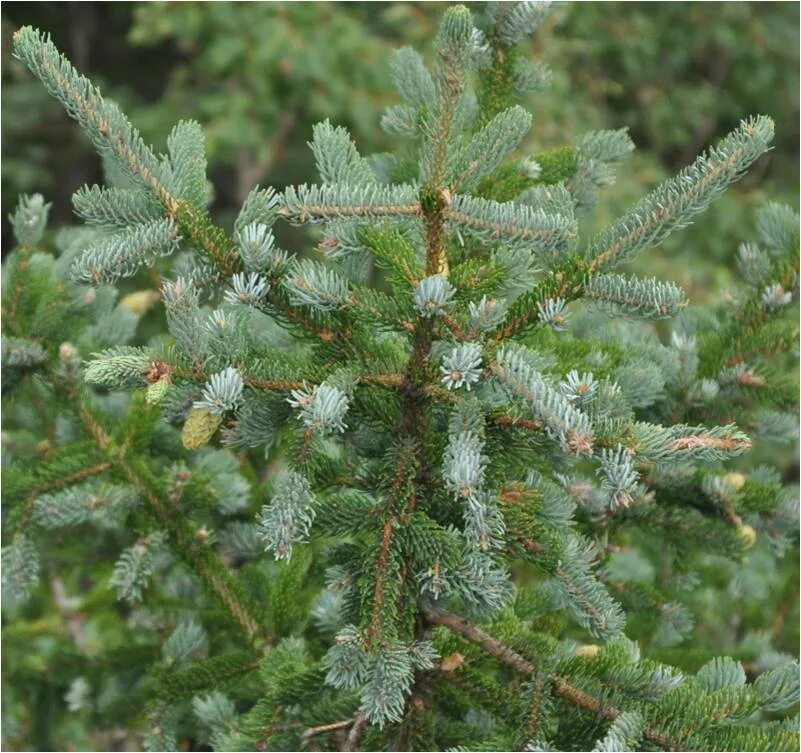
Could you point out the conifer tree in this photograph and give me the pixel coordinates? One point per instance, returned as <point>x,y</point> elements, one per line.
<point>479,463</point>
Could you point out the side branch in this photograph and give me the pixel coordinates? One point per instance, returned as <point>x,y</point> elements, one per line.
<point>511,658</point>
<point>204,561</point>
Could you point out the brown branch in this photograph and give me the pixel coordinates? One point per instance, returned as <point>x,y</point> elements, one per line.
<point>71,478</point>
<point>523,423</point>
<point>511,658</point>
<point>476,635</point>
<point>453,326</point>
<point>312,731</point>
<point>359,723</point>
<point>380,581</point>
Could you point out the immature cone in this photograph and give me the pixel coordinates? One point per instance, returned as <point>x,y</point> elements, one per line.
<point>735,479</point>
<point>157,391</point>
<point>452,662</point>
<point>588,651</point>
<point>199,428</point>
<point>141,301</point>
<point>747,534</point>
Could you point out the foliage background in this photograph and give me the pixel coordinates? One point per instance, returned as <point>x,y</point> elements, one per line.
<point>258,75</point>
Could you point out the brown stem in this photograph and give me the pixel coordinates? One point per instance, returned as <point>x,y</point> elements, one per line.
<point>511,658</point>
<point>359,723</point>
<point>312,731</point>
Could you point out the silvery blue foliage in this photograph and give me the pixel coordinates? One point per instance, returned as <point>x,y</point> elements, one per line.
<point>777,225</point>
<point>102,504</point>
<point>702,391</point>
<point>530,75</point>
<point>260,207</point>
<point>464,464</point>
<point>673,204</point>
<point>484,526</point>
<point>553,313</point>
<point>18,352</point>
<point>606,401</point>
<point>513,224</point>
<point>221,325</point>
<point>753,263</point>
<point>122,254</point>
<point>123,366</point>
<point>579,389</point>
<point>401,120</point>
<point>240,540</point>
<point>619,475</point>
<point>77,696</point>
<point>432,296</point>
<point>606,146</point>
<point>631,296</point>
<point>346,661</point>
<point>258,251</point>
<point>247,289</point>
<point>133,569</point>
<point>482,53</point>
<point>327,610</point>
<point>462,366</point>
<point>337,158</point>
<point>385,674</point>
<point>389,682</point>
<point>29,219</point>
<point>775,296</point>
<point>187,642</point>
<point>185,173</point>
<point>587,600</point>
<point>20,568</point>
<point>323,203</point>
<point>778,688</point>
<point>486,314</point>
<point>222,393</point>
<point>675,624</point>
<point>550,199</point>
<point>514,22</point>
<point>323,409</point>
<point>488,147</point>
<point>288,518</point>
<point>215,710</point>
<point>435,582</point>
<point>775,426</point>
<point>526,244</point>
<point>625,733</point>
<point>184,318</point>
<point>720,489</point>
<point>180,293</point>
<point>530,168</point>
<point>484,586</point>
<point>686,347</point>
<point>412,79</point>
<point>311,284</point>
<point>227,333</point>
<point>720,673</point>
<point>564,422</point>
<point>423,655</point>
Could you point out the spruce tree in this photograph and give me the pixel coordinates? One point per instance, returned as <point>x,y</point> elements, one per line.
<point>491,470</point>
